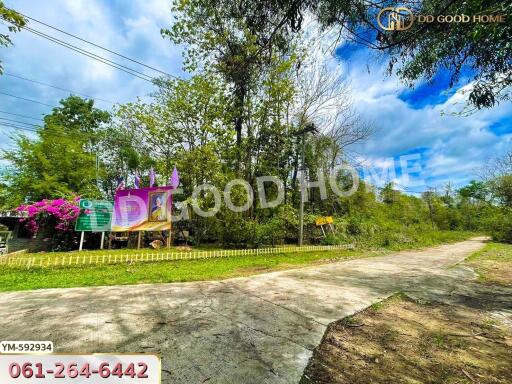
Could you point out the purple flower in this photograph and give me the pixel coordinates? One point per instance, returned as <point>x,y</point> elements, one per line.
<point>58,214</point>
<point>52,210</point>
<point>32,210</point>
<point>58,202</point>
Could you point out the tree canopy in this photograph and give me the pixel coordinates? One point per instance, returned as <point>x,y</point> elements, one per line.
<point>15,22</point>
<point>477,53</point>
<point>62,160</point>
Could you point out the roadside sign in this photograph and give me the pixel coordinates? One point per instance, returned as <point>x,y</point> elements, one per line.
<point>323,220</point>
<point>95,216</point>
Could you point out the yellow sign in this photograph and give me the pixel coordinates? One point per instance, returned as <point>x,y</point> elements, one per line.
<point>324,220</point>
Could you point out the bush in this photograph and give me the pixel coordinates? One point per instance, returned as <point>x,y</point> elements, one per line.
<point>499,226</point>
<point>334,239</point>
<point>270,232</point>
<point>53,221</point>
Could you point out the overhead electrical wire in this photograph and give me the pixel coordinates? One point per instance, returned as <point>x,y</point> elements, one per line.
<point>20,115</point>
<point>24,98</point>
<point>19,122</point>
<point>98,46</point>
<point>91,55</point>
<point>40,129</point>
<point>56,87</point>
<point>18,127</point>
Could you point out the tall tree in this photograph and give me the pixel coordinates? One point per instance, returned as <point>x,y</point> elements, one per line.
<point>62,161</point>
<point>479,52</point>
<point>236,39</point>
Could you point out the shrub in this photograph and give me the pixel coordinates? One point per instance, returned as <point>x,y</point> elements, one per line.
<point>270,232</point>
<point>499,225</point>
<point>334,239</point>
<point>53,221</point>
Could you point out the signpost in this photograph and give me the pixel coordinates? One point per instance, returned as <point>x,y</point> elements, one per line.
<point>324,220</point>
<point>95,216</point>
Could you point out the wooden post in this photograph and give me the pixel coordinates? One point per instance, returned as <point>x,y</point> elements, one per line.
<point>169,240</point>
<point>81,240</point>
<point>102,240</point>
<point>110,240</point>
<point>138,241</point>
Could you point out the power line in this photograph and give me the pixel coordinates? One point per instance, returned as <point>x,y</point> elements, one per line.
<point>18,122</point>
<point>23,98</point>
<point>38,129</point>
<point>97,45</point>
<point>19,115</point>
<point>56,87</point>
<point>91,55</point>
<point>17,127</point>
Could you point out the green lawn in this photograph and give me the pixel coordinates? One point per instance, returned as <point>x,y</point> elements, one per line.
<point>16,279</point>
<point>493,264</point>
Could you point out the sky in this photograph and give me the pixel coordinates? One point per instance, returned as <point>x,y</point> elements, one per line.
<point>413,127</point>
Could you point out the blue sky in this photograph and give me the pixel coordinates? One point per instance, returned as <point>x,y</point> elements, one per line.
<point>422,121</point>
<point>407,121</point>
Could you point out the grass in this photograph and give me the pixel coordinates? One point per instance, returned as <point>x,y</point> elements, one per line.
<point>405,341</point>
<point>493,264</point>
<point>13,279</point>
<point>17,279</point>
<point>415,238</point>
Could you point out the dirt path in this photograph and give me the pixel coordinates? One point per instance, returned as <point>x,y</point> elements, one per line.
<point>258,329</point>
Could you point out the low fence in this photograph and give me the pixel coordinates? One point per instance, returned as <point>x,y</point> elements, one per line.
<point>69,260</point>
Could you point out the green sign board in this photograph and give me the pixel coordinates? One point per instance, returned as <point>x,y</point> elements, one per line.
<point>95,216</point>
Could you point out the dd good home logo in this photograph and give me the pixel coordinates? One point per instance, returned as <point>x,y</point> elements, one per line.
<point>395,19</point>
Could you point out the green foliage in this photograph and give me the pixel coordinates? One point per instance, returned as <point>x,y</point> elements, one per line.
<point>421,51</point>
<point>499,225</point>
<point>333,239</point>
<point>502,189</point>
<point>240,115</point>
<point>14,21</point>
<point>62,161</point>
<point>476,191</point>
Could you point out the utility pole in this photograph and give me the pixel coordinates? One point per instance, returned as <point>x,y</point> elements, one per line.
<point>303,169</point>
<point>303,132</point>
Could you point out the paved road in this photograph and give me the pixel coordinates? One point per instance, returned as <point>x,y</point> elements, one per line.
<point>258,329</point>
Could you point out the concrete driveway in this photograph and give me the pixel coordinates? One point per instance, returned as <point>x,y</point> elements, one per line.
<point>258,329</point>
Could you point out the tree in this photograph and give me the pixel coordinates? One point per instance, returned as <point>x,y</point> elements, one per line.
<point>62,161</point>
<point>16,22</point>
<point>498,176</point>
<point>236,39</point>
<point>476,191</point>
<point>186,116</point>
<point>479,50</point>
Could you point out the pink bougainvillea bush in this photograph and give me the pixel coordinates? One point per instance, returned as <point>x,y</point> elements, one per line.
<point>53,221</point>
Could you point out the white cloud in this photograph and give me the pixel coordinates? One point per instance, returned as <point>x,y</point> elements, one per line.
<point>131,28</point>
<point>452,147</point>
